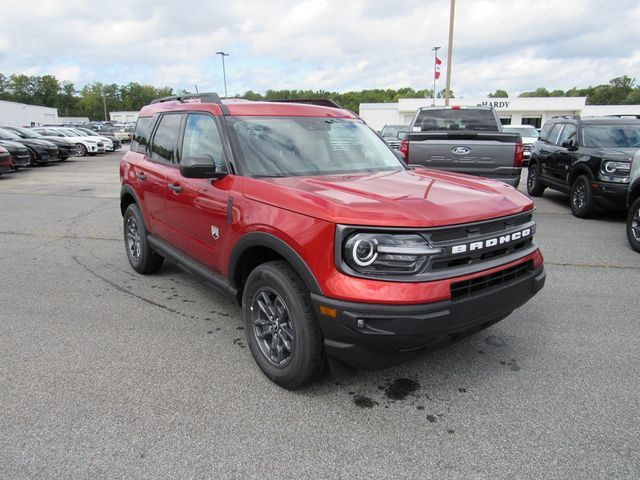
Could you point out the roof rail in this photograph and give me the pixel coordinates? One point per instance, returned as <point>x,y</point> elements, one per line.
<point>205,97</point>
<point>322,102</point>
<point>572,117</point>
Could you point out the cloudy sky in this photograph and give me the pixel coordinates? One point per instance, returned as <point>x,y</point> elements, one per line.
<point>336,45</point>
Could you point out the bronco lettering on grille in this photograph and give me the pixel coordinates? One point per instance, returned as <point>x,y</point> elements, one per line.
<point>490,242</point>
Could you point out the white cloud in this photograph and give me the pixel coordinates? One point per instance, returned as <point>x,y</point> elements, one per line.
<point>323,44</point>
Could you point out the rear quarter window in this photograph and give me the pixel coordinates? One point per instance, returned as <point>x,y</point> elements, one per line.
<point>141,132</point>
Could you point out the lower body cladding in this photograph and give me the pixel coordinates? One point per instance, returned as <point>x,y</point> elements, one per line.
<point>374,336</point>
<point>610,195</point>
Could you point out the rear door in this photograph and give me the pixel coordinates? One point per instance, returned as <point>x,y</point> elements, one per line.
<point>547,150</point>
<point>563,158</point>
<point>198,209</point>
<point>153,172</point>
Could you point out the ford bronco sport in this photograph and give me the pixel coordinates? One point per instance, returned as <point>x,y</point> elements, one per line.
<point>336,251</point>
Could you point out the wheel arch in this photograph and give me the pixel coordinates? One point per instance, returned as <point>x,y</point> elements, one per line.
<point>127,197</point>
<point>634,192</point>
<point>577,171</point>
<point>260,247</point>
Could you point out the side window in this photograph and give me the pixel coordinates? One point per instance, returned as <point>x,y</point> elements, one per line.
<point>164,142</point>
<point>201,137</point>
<point>555,133</point>
<point>544,133</point>
<point>569,133</point>
<point>141,134</point>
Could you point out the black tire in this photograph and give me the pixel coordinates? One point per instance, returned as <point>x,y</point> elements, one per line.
<point>276,300</point>
<point>534,186</point>
<point>81,149</point>
<point>581,197</point>
<point>140,254</point>
<point>633,225</point>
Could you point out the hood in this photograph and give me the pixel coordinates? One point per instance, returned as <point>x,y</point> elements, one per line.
<point>34,143</point>
<point>410,198</point>
<point>60,142</point>
<point>616,153</point>
<point>11,144</point>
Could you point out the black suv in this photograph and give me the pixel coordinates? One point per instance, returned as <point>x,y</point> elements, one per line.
<point>588,158</point>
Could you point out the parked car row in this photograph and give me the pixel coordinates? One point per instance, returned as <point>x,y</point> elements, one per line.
<point>24,147</point>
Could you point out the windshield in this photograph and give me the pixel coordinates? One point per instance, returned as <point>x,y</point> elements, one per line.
<point>24,133</point>
<point>392,130</point>
<point>523,131</point>
<point>7,135</point>
<point>455,119</point>
<point>290,146</point>
<point>621,135</point>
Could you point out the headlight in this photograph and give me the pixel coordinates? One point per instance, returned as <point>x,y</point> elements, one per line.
<point>383,253</point>
<point>616,168</point>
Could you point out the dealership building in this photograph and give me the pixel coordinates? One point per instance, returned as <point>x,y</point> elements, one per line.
<point>512,111</point>
<point>15,114</point>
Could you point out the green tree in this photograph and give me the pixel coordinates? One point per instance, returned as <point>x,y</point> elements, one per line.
<point>499,94</point>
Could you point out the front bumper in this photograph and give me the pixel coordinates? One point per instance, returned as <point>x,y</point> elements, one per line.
<point>609,192</point>
<point>372,336</point>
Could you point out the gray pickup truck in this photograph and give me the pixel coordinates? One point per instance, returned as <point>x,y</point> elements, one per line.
<point>464,140</point>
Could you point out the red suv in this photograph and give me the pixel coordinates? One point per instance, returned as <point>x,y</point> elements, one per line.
<point>336,250</point>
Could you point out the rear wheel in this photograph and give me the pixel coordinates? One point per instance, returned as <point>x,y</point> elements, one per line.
<point>534,187</point>
<point>581,198</point>
<point>280,327</point>
<point>633,225</point>
<point>141,257</point>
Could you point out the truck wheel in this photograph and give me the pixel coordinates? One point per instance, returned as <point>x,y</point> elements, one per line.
<point>582,197</point>
<point>534,187</point>
<point>633,225</point>
<point>280,326</point>
<point>141,257</point>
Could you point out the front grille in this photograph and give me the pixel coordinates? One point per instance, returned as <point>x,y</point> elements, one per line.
<point>466,288</point>
<point>53,151</point>
<point>100,144</point>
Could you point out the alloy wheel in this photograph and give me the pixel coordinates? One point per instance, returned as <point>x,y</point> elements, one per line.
<point>272,326</point>
<point>635,225</point>
<point>134,243</point>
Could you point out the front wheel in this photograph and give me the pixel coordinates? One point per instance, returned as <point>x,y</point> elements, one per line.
<point>534,187</point>
<point>81,149</point>
<point>281,330</point>
<point>141,257</point>
<point>633,225</point>
<point>582,203</point>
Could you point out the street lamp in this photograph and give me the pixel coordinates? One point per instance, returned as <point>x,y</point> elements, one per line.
<point>224,73</point>
<point>447,91</point>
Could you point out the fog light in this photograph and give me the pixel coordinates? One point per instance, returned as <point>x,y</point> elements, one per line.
<point>360,323</point>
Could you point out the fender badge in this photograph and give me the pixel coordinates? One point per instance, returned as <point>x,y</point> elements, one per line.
<point>215,232</point>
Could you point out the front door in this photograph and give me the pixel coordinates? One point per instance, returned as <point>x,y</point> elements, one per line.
<point>197,209</point>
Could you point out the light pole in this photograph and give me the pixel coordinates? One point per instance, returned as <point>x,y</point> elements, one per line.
<point>224,72</point>
<point>447,91</point>
<point>436,71</point>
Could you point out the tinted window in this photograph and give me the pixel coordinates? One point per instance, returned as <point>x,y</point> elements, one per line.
<point>141,134</point>
<point>201,138</point>
<point>165,139</point>
<point>622,135</point>
<point>555,132</point>
<point>569,133</point>
<point>544,133</point>
<point>456,119</point>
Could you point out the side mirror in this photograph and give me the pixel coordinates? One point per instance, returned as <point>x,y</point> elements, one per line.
<point>200,167</point>
<point>570,145</point>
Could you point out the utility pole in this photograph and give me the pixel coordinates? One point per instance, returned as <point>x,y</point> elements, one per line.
<point>436,72</point>
<point>104,105</point>
<point>447,91</point>
<point>224,72</point>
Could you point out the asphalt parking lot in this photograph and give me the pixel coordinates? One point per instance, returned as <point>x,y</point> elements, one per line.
<point>108,374</point>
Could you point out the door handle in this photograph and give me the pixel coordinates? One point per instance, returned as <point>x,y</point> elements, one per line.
<point>141,176</point>
<point>175,188</point>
